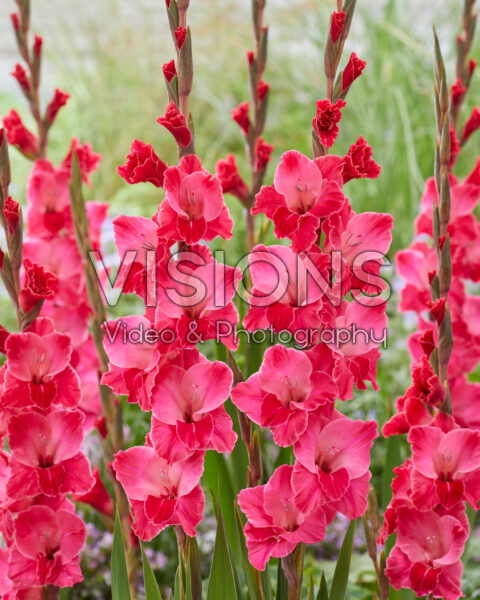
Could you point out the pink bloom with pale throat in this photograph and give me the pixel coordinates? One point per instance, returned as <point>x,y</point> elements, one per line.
<point>161,493</point>
<point>284,392</point>
<point>275,524</point>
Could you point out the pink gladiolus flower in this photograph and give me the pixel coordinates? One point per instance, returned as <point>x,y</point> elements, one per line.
<point>413,408</point>
<point>359,162</point>
<point>161,493</point>
<point>188,405</point>
<point>175,123</point>
<point>46,456</point>
<point>196,303</point>
<point>18,135</point>
<point>283,295</point>
<point>284,393</point>
<point>299,199</point>
<point>194,208</point>
<point>137,234</point>
<point>87,158</point>
<point>48,197</point>
<point>446,467</point>
<point>275,524</point>
<point>232,183</point>
<point>38,285</point>
<point>39,372</point>
<point>325,122</point>
<point>354,361</point>
<point>332,465</point>
<point>143,165</point>
<point>47,547</point>
<point>426,557</point>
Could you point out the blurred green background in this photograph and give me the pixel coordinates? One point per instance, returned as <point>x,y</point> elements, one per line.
<point>108,55</point>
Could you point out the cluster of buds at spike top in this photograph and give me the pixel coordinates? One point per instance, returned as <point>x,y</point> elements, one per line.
<point>251,118</point>
<point>325,122</point>
<point>440,283</point>
<point>465,65</point>
<point>179,76</point>
<point>29,82</point>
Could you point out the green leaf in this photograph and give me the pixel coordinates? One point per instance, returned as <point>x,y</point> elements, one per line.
<point>248,571</point>
<point>323,591</point>
<point>282,583</point>
<point>311,587</point>
<point>221,583</point>
<point>194,574</point>
<point>151,586</point>
<point>120,585</point>
<point>216,475</point>
<point>342,569</point>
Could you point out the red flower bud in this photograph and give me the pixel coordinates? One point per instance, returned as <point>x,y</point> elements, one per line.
<point>142,165</point>
<point>441,241</point>
<point>240,116</point>
<point>431,276</point>
<point>2,256</point>
<point>11,212</point>
<point>263,153</point>
<point>169,70</point>
<point>37,45</point>
<point>15,21</point>
<point>175,122</point>
<point>59,99</point>
<point>336,25</point>
<point>87,159</point>
<point>250,57</point>
<point>38,285</point>
<point>472,124</point>
<point>353,70</point>
<point>471,66</point>
<point>427,342</point>
<point>326,119</point>
<point>454,146</point>
<point>18,135</point>
<point>457,92</point>
<point>437,309</point>
<point>21,76</point>
<point>180,35</point>
<point>262,90</point>
<point>358,162</point>
<point>232,183</point>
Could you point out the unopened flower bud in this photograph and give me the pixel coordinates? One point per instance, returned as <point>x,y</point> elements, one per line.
<point>59,99</point>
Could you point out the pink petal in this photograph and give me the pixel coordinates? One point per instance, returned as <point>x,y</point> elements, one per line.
<point>248,397</point>
<point>298,179</point>
<point>285,372</point>
<point>124,353</point>
<point>138,469</point>
<point>207,385</point>
<point>189,511</point>
<point>31,357</point>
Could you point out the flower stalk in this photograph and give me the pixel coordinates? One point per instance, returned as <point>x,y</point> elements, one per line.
<point>112,409</point>
<point>292,566</point>
<point>440,284</point>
